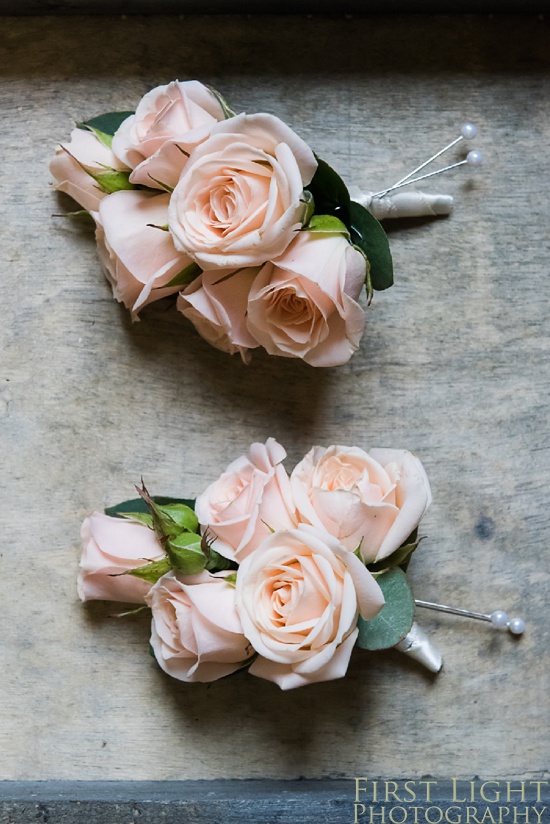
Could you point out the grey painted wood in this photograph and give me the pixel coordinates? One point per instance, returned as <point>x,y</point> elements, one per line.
<point>454,365</point>
<point>284,802</point>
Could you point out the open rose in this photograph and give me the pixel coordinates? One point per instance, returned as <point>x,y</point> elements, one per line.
<point>240,197</point>
<point>368,501</point>
<point>110,546</point>
<point>298,596</point>
<point>304,304</point>
<point>69,164</point>
<point>216,303</point>
<point>250,499</point>
<point>138,257</point>
<point>196,634</point>
<point>169,122</point>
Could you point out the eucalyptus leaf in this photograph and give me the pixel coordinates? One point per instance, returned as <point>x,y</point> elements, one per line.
<point>106,123</point>
<point>185,553</point>
<point>395,619</point>
<point>185,277</point>
<point>138,505</point>
<point>326,224</point>
<point>370,237</point>
<point>329,192</point>
<point>151,572</point>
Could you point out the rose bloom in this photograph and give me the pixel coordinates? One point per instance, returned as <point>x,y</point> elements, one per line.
<point>304,304</point>
<point>298,596</point>
<point>240,197</point>
<point>249,500</point>
<point>169,122</point>
<point>110,546</point>
<point>196,634</point>
<point>83,150</point>
<point>216,303</point>
<point>368,501</point>
<point>138,258</point>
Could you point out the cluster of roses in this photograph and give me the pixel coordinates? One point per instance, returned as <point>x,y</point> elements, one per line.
<point>283,562</point>
<point>188,198</point>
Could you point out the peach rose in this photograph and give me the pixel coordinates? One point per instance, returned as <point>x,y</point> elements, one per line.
<point>83,150</point>
<point>216,304</point>
<point>240,197</point>
<point>304,304</point>
<point>139,259</point>
<point>372,501</point>
<point>298,596</point>
<point>169,122</point>
<point>111,546</point>
<point>251,498</point>
<point>196,634</point>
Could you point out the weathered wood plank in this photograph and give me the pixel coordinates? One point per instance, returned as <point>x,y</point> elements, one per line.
<point>454,365</point>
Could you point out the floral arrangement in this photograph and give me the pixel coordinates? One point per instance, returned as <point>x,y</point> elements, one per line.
<point>280,574</point>
<point>256,235</point>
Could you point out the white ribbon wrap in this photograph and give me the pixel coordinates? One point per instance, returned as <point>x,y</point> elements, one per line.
<point>404,204</point>
<point>417,645</point>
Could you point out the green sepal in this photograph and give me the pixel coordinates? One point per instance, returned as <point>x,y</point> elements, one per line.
<point>107,124</point>
<point>151,572</point>
<point>231,579</point>
<point>138,506</point>
<point>309,206</point>
<point>214,561</point>
<point>226,109</point>
<point>329,192</point>
<point>143,517</point>
<point>185,277</point>
<point>326,224</point>
<point>82,216</point>
<point>185,553</point>
<point>395,619</point>
<point>400,557</point>
<point>370,237</point>
<point>182,515</point>
<point>111,180</point>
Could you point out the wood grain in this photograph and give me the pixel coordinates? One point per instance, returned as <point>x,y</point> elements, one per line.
<point>454,366</point>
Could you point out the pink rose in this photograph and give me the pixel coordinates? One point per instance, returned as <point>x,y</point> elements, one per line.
<point>298,596</point>
<point>196,633</point>
<point>240,197</point>
<point>83,150</point>
<point>251,498</point>
<point>111,546</point>
<point>368,501</point>
<point>216,304</point>
<point>304,303</point>
<point>138,258</point>
<point>169,122</point>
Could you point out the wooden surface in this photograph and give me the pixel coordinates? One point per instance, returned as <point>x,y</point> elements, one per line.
<point>454,366</point>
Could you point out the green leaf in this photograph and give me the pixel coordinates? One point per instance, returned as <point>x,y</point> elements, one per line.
<point>182,514</point>
<point>185,277</point>
<point>328,224</point>
<point>185,553</point>
<point>107,123</point>
<point>138,505</point>
<point>369,236</point>
<point>82,216</point>
<point>215,562</point>
<point>151,572</point>
<point>329,192</point>
<point>395,619</point>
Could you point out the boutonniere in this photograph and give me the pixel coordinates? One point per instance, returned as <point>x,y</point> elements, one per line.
<point>283,575</point>
<point>234,214</point>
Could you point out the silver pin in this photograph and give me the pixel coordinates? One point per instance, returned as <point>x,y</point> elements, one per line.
<point>467,132</point>
<point>497,619</point>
